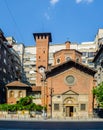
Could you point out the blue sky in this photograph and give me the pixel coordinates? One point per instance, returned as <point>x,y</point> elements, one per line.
<point>74,20</point>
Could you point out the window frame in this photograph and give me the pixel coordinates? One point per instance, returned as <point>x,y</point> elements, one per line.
<point>83,108</point>
<point>56,106</point>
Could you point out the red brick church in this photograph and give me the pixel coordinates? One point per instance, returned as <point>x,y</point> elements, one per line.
<point>66,87</point>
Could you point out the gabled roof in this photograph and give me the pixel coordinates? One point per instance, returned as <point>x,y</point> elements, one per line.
<point>68,64</point>
<point>98,53</point>
<point>16,84</point>
<point>70,92</point>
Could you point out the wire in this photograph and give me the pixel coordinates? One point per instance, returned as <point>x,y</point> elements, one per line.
<point>13,19</point>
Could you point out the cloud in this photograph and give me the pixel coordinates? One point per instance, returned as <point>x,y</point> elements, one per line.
<point>84,1</point>
<point>53,2</point>
<point>47,14</point>
<point>78,1</point>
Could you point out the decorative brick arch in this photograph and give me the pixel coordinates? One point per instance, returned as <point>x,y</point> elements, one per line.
<point>70,100</point>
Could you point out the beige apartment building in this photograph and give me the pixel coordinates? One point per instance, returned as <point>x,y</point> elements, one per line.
<point>98,38</point>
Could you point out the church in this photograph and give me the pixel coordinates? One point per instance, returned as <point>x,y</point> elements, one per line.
<point>66,87</point>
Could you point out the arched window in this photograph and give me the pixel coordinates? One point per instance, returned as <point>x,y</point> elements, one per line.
<point>20,94</point>
<point>11,94</point>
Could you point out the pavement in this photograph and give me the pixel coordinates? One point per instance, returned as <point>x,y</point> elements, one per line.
<point>54,119</point>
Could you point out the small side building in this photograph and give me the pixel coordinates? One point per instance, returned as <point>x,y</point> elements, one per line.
<point>15,91</point>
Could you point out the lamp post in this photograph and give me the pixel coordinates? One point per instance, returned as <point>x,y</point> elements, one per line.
<point>43,75</point>
<point>51,94</point>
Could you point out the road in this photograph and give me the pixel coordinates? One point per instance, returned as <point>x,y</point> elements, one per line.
<point>75,125</point>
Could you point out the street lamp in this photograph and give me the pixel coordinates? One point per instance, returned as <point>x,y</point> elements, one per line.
<point>51,94</point>
<point>43,75</point>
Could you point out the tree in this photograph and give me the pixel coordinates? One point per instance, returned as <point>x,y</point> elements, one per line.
<point>25,101</point>
<point>12,107</point>
<point>3,107</point>
<point>39,108</point>
<point>98,92</point>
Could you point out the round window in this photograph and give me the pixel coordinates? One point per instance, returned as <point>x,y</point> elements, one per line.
<point>58,60</point>
<point>68,58</point>
<point>70,80</point>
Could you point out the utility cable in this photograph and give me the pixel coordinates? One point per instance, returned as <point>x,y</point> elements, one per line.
<point>13,19</point>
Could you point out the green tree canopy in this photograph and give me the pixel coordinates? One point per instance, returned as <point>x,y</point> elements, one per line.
<point>25,103</point>
<point>98,92</point>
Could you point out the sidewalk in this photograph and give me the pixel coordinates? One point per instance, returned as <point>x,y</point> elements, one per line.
<point>54,119</point>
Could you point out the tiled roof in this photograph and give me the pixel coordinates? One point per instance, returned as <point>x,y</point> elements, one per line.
<point>17,84</point>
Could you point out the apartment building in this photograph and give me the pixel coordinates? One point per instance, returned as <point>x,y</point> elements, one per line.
<point>30,64</point>
<point>98,59</point>
<point>98,62</point>
<point>98,38</point>
<point>88,50</point>
<point>19,48</point>
<point>10,68</point>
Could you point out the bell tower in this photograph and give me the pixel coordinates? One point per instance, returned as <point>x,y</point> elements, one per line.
<point>42,54</point>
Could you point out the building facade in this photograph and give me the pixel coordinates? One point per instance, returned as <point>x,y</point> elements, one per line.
<point>66,87</point>
<point>15,91</point>
<point>10,66</point>
<point>98,62</point>
<point>98,59</point>
<point>71,84</point>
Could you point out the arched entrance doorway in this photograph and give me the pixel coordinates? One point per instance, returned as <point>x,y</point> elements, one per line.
<point>70,106</point>
<point>69,111</point>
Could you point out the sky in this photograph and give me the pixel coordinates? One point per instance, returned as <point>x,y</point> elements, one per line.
<point>74,20</point>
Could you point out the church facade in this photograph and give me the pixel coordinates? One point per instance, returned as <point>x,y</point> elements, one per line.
<point>66,87</point>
